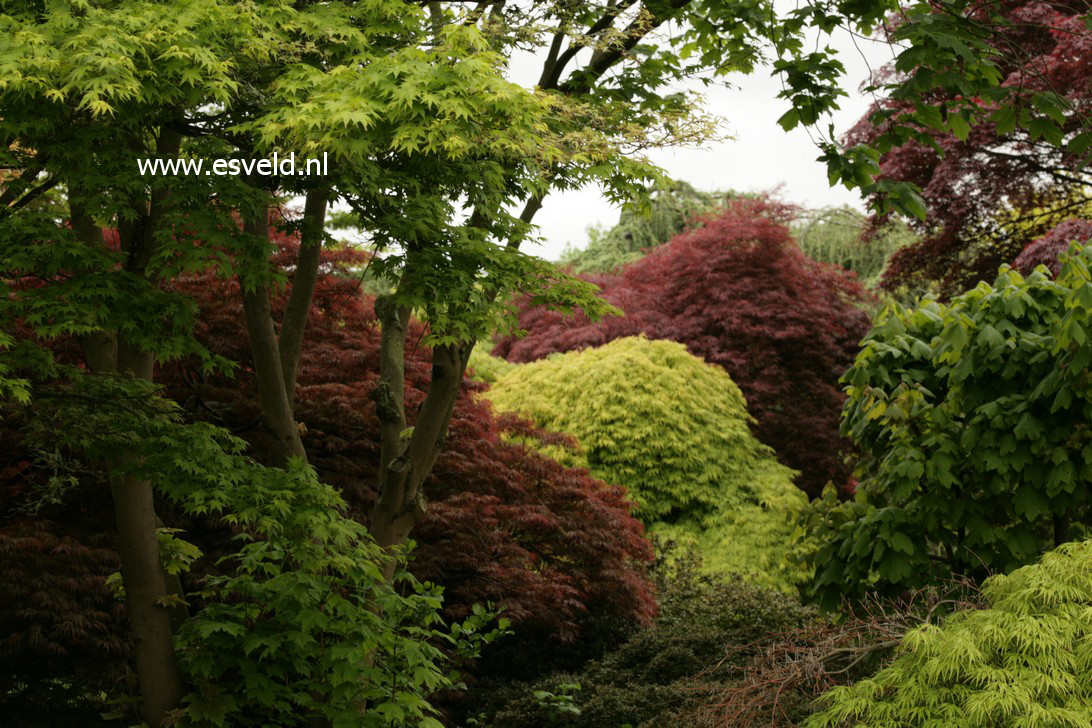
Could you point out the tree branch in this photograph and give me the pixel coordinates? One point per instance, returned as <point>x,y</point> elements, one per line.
<point>294,322</point>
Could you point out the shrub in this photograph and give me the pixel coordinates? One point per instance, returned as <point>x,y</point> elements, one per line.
<point>553,547</point>
<point>296,620</point>
<point>1047,249</point>
<point>1026,660</point>
<point>779,676</point>
<point>484,367</point>
<point>973,420</point>
<point>675,432</point>
<point>739,294</point>
<point>659,674</point>
<point>63,636</point>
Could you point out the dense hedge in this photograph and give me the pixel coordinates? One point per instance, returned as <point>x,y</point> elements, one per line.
<point>675,432</point>
<point>661,675</point>
<point>740,294</point>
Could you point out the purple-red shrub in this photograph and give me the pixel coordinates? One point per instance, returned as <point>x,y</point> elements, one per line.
<point>556,548</point>
<point>63,635</point>
<point>738,293</point>
<point>1045,250</point>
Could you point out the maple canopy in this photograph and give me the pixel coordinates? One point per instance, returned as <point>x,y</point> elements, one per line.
<point>550,545</point>
<point>999,175</point>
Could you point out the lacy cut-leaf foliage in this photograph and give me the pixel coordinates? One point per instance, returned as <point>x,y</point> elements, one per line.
<point>1025,661</point>
<point>739,294</point>
<point>675,432</point>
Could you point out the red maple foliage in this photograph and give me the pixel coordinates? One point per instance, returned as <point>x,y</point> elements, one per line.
<point>1045,250</point>
<point>557,549</point>
<point>551,545</point>
<point>738,293</point>
<point>1043,46</point>
<point>63,636</point>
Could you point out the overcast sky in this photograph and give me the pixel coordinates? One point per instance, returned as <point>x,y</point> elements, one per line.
<point>759,156</point>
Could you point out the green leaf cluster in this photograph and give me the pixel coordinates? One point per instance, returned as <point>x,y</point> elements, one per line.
<point>298,620</point>
<point>973,420</point>
<point>673,430</point>
<point>1025,661</point>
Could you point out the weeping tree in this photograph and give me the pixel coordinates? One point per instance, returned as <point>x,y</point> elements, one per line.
<point>671,210</point>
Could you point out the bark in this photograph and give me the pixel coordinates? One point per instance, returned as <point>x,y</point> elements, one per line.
<point>402,503</point>
<point>278,419</point>
<point>146,593</point>
<point>147,585</point>
<point>408,456</point>
<point>276,358</point>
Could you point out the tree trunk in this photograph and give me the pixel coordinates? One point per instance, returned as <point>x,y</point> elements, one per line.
<point>278,419</point>
<point>407,457</point>
<point>276,359</point>
<point>146,593</point>
<point>146,587</point>
<point>294,322</point>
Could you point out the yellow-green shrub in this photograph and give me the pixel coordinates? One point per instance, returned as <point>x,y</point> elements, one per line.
<point>675,432</point>
<point>1026,661</point>
<point>485,367</point>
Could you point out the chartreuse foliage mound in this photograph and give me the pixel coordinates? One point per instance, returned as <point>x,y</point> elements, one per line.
<point>1025,661</point>
<point>675,431</point>
<point>485,367</point>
